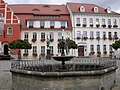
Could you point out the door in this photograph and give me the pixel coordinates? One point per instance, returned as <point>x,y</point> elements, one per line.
<point>81,51</point>
<point>5,49</point>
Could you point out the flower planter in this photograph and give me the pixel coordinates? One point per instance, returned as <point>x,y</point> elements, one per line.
<point>84,25</point>
<point>41,26</point>
<point>34,54</point>
<point>110,38</point>
<point>85,38</point>
<point>91,38</point>
<point>78,38</point>
<point>104,38</point>
<point>51,27</point>
<point>105,52</point>
<point>77,24</point>
<point>115,26</point>
<point>98,38</point>
<point>91,25</point>
<point>42,39</point>
<point>33,40</point>
<point>51,40</point>
<point>109,26</point>
<point>92,53</point>
<point>115,38</point>
<point>98,25</point>
<point>25,54</point>
<point>103,26</point>
<point>62,27</point>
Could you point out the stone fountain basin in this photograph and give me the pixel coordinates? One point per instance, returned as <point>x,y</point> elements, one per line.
<point>62,58</point>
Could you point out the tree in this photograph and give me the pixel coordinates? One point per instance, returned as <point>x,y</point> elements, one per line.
<point>19,44</point>
<point>71,44</point>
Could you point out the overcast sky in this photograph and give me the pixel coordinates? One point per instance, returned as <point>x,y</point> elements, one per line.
<point>114,4</point>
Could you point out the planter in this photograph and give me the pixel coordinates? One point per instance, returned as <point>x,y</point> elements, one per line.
<point>78,38</point>
<point>109,26</point>
<point>92,53</point>
<point>98,38</point>
<point>91,25</point>
<point>110,38</point>
<point>85,38</point>
<point>91,38</point>
<point>104,26</point>
<point>115,26</point>
<point>34,54</point>
<point>25,54</point>
<point>105,52</point>
<point>51,27</point>
<point>33,40</point>
<point>42,39</point>
<point>62,27</point>
<point>78,24</point>
<point>115,38</point>
<point>104,38</point>
<point>98,25</point>
<point>41,26</point>
<point>84,25</point>
<point>51,40</point>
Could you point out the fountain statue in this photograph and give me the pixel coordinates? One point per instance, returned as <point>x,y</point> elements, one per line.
<point>62,58</point>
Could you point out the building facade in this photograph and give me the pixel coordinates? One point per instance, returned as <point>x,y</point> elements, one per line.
<point>11,29</point>
<point>40,22</point>
<point>94,29</point>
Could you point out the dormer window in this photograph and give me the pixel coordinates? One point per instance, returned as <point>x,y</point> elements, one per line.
<point>96,9</point>
<point>108,10</point>
<point>82,9</point>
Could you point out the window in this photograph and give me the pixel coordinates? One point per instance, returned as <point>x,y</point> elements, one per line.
<point>78,33</point>
<point>84,33</point>
<point>98,48</point>
<point>62,24</point>
<point>42,35</point>
<point>34,35</point>
<point>51,35</point>
<point>104,34</point>
<point>115,35</point>
<point>59,49</point>
<point>91,20</point>
<point>30,24</point>
<point>97,34</point>
<point>104,48</point>
<point>67,35</point>
<point>42,49</point>
<point>82,9</point>
<point>77,21</point>
<point>114,22</point>
<point>25,35</point>
<point>59,35</point>
<point>91,48</point>
<point>42,24</point>
<point>91,34</point>
<point>51,49</point>
<point>109,34</point>
<point>96,9</point>
<point>9,31</point>
<point>109,22</point>
<point>26,51</point>
<point>34,49</point>
<point>97,21</point>
<point>103,21</point>
<point>52,24</point>
<point>110,48</point>
<point>84,21</point>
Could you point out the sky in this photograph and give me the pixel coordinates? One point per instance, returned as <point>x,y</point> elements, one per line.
<point>113,4</point>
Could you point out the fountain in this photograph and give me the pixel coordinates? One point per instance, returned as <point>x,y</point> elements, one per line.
<point>62,58</point>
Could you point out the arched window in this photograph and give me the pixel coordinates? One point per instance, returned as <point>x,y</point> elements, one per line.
<point>9,31</point>
<point>82,9</point>
<point>96,9</point>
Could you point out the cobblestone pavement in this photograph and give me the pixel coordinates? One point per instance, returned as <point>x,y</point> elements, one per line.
<point>5,76</point>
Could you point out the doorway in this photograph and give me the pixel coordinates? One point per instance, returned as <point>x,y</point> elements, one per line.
<point>5,49</point>
<point>80,50</point>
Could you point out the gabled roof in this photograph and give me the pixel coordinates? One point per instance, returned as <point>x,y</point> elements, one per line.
<point>89,8</point>
<point>39,9</point>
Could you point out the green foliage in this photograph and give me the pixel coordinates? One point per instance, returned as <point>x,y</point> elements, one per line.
<point>19,44</point>
<point>70,43</point>
<point>116,45</point>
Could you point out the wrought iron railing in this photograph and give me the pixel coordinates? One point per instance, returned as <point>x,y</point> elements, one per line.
<point>55,66</point>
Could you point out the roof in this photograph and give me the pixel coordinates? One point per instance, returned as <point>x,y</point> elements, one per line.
<point>75,8</point>
<point>39,9</point>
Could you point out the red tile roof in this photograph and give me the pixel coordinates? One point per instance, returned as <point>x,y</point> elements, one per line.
<point>75,7</point>
<point>39,9</point>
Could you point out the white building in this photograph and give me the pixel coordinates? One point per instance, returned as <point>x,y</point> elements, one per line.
<point>94,29</point>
